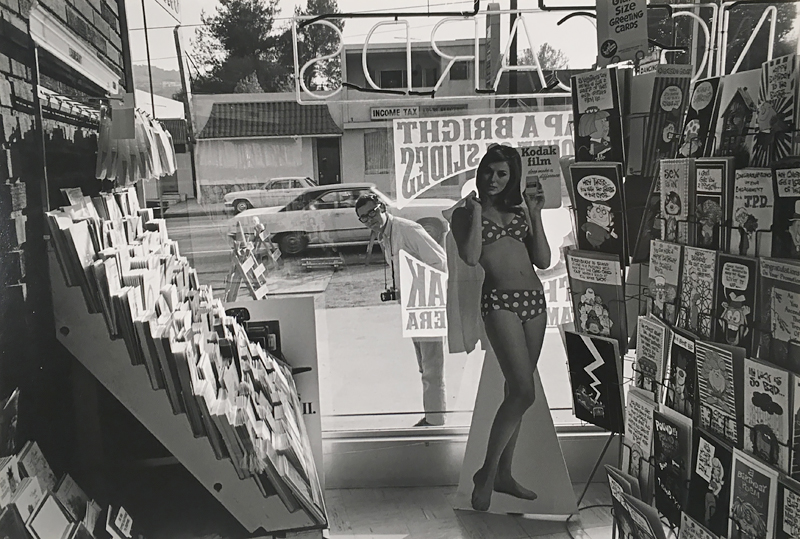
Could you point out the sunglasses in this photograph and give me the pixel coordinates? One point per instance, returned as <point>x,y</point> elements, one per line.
<point>369,215</point>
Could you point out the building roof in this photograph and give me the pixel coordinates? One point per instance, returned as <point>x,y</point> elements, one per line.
<point>176,128</point>
<point>268,119</point>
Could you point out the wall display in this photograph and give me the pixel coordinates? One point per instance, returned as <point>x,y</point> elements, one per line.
<point>652,346</point>
<point>752,212</point>
<point>713,196</point>
<point>598,295</point>
<point>786,217</point>
<point>597,116</point>
<point>538,465</point>
<point>788,515</point>
<point>734,134</point>
<point>720,397</point>
<point>735,301</point>
<point>710,484</point>
<point>696,302</point>
<point>677,198</point>
<point>753,495</point>
<point>664,279</point>
<point>778,337</point>
<point>672,450</point>
<point>595,371</point>
<point>795,444</point>
<point>698,126</point>
<point>767,413</point>
<point>776,111</point>
<point>638,440</point>
<point>599,208</point>
<point>682,385</point>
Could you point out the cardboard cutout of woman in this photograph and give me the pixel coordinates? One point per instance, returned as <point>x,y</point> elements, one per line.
<point>503,233</point>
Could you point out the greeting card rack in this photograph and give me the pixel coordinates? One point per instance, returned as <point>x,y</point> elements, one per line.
<point>85,336</point>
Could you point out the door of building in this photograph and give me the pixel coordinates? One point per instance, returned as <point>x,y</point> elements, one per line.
<point>328,160</point>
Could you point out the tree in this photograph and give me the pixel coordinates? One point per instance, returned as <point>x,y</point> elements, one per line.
<point>549,57</point>
<point>241,49</point>
<point>315,41</point>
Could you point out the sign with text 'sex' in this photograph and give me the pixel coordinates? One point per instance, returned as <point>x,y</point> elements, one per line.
<point>423,298</point>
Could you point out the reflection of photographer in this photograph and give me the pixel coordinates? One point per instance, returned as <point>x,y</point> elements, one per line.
<point>395,233</point>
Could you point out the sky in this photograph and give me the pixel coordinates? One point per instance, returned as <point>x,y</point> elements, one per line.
<point>541,26</point>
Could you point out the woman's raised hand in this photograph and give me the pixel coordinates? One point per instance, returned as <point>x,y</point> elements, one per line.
<point>472,203</point>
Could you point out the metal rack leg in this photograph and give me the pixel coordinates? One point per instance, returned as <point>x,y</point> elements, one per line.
<point>596,465</point>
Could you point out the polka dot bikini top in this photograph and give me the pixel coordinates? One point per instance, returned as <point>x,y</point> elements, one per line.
<point>516,229</point>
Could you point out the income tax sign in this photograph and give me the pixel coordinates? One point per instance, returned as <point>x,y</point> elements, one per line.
<point>429,151</point>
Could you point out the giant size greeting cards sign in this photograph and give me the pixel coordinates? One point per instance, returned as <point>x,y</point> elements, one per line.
<point>428,151</point>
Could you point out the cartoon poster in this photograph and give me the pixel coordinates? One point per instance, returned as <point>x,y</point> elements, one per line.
<point>786,217</point>
<point>674,176</point>
<point>651,356</point>
<point>664,278</point>
<point>596,380</point>
<point>599,209</point>
<point>752,212</point>
<point>669,101</point>
<point>776,111</point>
<point>699,122</point>
<point>598,295</point>
<point>710,485</point>
<point>752,511</point>
<point>734,133</point>
<point>691,529</point>
<point>735,301</point>
<point>696,304</point>
<point>638,440</point>
<point>788,515</point>
<point>716,391</point>
<point>767,413</point>
<point>682,385</point>
<point>597,117</point>
<point>672,450</point>
<point>779,313</point>
<point>713,187</point>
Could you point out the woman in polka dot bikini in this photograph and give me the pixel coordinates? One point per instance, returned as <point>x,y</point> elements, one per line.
<point>501,229</point>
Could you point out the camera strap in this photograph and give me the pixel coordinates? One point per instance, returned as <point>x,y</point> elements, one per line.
<point>391,264</point>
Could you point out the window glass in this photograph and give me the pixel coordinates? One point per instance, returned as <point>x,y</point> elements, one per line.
<point>378,155</point>
<point>459,71</point>
<point>393,78</point>
<point>326,202</point>
<point>280,184</point>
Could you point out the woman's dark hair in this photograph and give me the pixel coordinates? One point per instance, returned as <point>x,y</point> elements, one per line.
<point>498,153</point>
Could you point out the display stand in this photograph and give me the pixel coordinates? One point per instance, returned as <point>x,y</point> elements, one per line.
<point>245,268</point>
<point>86,337</point>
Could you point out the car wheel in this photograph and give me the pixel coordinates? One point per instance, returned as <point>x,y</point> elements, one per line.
<point>241,205</point>
<point>433,227</point>
<point>293,243</point>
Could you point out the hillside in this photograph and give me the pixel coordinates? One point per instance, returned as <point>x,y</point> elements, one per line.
<point>166,83</point>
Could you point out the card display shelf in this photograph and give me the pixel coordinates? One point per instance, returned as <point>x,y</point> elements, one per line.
<point>86,337</point>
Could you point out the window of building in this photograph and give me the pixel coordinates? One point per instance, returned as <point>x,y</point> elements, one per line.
<point>459,71</point>
<point>431,76</point>
<point>416,76</point>
<point>378,151</point>
<point>394,78</point>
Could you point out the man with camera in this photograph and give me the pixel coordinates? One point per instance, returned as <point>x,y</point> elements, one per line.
<point>395,234</point>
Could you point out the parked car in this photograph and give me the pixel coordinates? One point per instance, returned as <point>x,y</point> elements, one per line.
<point>276,192</point>
<point>326,216</point>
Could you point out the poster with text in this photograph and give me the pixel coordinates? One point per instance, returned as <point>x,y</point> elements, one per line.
<point>713,186</point>
<point>788,516</point>
<point>598,117</point>
<point>736,123</point>
<point>779,312</point>
<point>696,304</point>
<point>786,216</point>
<point>423,298</point>
<point>752,212</point>
<point>698,125</point>
<point>710,484</point>
<point>767,413</point>
<point>621,31</point>
<point>664,279</point>
<point>430,151</point>
<point>776,111</point>
<point>674,176</point>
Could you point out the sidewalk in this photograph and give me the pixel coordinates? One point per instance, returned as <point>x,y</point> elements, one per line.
<point>191,208</point>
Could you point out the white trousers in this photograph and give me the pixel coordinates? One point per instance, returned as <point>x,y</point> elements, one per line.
<point>430,358</point>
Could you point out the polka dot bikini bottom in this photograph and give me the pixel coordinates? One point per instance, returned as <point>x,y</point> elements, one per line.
<point>526,304</point>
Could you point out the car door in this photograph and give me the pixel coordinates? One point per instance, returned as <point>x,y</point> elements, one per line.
<point>352,228</point>
<point>325,220</point>
<point>277,193</point>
